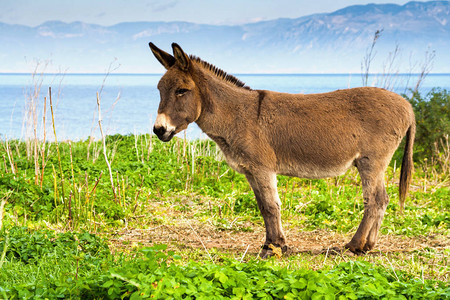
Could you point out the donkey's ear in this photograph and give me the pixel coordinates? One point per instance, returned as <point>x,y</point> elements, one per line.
<point>181,57</point>
<point>163,57</point>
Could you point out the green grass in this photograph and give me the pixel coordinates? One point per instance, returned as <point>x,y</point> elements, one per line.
<point>60,234</point>
<point>42,264</point>
<point>160,274</point>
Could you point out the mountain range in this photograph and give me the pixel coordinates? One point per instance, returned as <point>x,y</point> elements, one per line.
<point>334,42</point>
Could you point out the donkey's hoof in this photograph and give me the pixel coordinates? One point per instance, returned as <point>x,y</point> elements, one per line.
<point>356,249</point>
<point>368,246</point>
<point>273,250</point>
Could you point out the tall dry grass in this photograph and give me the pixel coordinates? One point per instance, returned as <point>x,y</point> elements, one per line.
<point>389,78</point>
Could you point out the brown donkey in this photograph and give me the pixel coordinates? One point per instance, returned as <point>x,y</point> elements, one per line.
<point>264,133</point>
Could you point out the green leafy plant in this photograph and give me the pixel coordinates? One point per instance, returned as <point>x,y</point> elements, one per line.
<point>432,113</point>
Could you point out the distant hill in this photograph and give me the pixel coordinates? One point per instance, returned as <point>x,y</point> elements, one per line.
<point>321,43</point>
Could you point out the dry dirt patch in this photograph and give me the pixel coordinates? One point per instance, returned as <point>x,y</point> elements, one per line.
<point>190,233</point>
<point>193,233</point>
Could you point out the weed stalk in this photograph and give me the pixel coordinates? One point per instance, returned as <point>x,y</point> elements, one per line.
<point>104,147</point>
<point>5,248</point>
<point>55,188</point>
<point>43,143</point>
<point>71,166</point>
<point>70,212</point>
<point>56,142</point>
<point>2,207</point>
<point>4,164</point>
<point>10,157</point>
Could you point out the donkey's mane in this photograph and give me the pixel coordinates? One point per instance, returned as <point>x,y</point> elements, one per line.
<point>219,72</point>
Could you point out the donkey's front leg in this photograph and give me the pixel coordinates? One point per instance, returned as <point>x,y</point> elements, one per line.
<point>264,185</point>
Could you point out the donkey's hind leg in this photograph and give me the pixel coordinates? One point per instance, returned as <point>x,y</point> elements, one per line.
<point>264,186</point>
<point>381,200</point>
<point>375,203</point>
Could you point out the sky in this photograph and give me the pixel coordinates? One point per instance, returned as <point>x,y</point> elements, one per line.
<point>110,12</point>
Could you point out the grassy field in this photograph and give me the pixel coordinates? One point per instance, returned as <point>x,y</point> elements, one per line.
<point>174,221</point>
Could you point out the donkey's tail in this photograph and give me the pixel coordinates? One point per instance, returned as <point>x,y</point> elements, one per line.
<point>407,164</point>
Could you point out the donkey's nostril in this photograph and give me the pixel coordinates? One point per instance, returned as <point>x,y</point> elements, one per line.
<point>159,131</point>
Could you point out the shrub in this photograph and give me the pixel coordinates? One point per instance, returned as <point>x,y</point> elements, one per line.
<point>432,122</point>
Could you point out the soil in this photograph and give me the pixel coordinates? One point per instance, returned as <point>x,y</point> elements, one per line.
<point>191,233</point>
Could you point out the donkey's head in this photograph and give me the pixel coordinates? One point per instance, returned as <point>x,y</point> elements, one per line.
<point>180,102</point>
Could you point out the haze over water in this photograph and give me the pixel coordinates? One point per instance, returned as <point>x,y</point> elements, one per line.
<point>129,102</point>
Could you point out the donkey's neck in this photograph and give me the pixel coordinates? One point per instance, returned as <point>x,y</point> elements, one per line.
<point>222,102</point>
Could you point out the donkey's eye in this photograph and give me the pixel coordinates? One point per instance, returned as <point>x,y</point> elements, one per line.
<point>181,92</point>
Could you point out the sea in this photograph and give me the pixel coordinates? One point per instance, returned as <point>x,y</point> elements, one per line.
<point>129,102</point>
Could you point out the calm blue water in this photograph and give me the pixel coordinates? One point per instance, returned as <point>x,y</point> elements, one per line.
<point>129,102</point>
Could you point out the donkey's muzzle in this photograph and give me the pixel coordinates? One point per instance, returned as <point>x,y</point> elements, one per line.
<point>162,133</point>
<point>159,131</point>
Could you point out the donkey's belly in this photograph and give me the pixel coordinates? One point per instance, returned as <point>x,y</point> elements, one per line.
<point>311,170</point>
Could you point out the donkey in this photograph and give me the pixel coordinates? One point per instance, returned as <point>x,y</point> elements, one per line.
<point>264,133</point>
